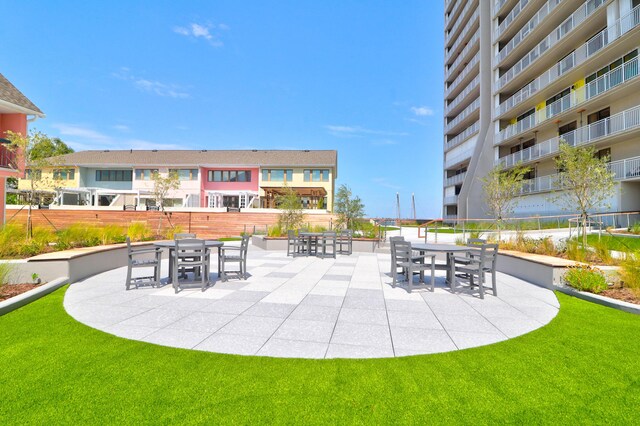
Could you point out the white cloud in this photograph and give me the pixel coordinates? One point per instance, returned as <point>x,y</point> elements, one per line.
<point>380,181</point>
<point>152,86</point>
<point>203,31</point>
<point>357,131</point>
<point>422,111</point>
<point>122,127</point>
<point>384,142</point>
<point>83,137</point>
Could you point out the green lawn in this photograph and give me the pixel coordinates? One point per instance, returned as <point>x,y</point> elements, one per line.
<point>616,242</point>
<point>581,368</point>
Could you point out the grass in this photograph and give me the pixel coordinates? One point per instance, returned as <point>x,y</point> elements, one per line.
<point>581,368</point>
<point>618,243</point>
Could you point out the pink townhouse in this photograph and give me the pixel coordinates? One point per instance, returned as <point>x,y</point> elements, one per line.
<point>235,187</point>
<point>16,110</point>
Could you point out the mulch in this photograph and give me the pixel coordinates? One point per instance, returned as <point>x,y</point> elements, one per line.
<point>10,290</point>
<point>624,294</point>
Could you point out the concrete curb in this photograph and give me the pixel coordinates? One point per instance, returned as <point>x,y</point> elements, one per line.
<point>601,300</point>
<point>31,295</point>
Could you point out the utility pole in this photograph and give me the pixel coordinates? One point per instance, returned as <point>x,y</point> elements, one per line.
<point>413,205</point>
<point>398,216</point>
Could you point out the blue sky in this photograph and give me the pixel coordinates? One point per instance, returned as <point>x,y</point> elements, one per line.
<point>363,77</point>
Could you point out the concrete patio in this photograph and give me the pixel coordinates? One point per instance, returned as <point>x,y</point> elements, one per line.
<point>311,308</point>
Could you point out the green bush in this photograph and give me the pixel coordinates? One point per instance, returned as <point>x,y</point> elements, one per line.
<point>635,228</point>
<point>78,235</point>
<point>139,231</point>
<point>275,231</point>
<point>586,278</point>
<point>630,272</point>
<point>5,273</point>
<point>112,234</point>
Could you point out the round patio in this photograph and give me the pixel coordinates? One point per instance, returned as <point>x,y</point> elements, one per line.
<point>307,307</point>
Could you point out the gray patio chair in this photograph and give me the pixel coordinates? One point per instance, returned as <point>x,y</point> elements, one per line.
<point>345,242</point>
<point>234,254</point>
<point>181,236</point>
<point>143,258</point>
<point>411,264</point>
<point>295,245</point>
<point>475,265</point>
<point>327,245</point>
<point>394,267</point>
<point>191,254</point>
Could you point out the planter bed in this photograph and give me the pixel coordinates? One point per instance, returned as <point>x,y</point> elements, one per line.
<point>360,245</point>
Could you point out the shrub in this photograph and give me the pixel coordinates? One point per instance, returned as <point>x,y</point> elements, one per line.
<point>635,228</point>
<point>78,235</point>
<point>275,231</point>
<point>112,234</point>
<point>586,278</point>
<point>5,273</point>
<point>139,231</point>
<point>630,272</point>
<point>602,252</point>
<point>575,251</point>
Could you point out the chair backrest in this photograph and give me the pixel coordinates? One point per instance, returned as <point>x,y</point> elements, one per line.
<point>347,233</point>
<point>329,235</point>
<point>401,250</point>
<point>183,235</point>
<point>128,240</point>
<point>291,234</point>
<point>476,241</point>
<point>398,238</point>
<point>491,254</point>
<point>190,246</point>
<point>244,245</point>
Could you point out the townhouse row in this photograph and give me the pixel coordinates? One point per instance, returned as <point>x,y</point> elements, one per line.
<point>215,179</point>
<point>522,76</point>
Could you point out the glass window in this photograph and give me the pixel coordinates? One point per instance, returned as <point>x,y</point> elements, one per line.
<point>307,175</point>
<point>325,175</point>
<point>265,174</point>
<point>233,176</point>
<point>316,175</point>
<point>276,175</point>
<point>114,175</point>
<point>289,175</point>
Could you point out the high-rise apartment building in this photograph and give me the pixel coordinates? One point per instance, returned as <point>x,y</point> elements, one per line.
<point>523,75</point>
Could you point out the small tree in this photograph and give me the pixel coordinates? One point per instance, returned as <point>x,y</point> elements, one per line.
<point>30,156</point>
<point>501,190</point>
<point>584,183</point>
<point>348,209</point>
<point>161,187</point>
<point>290,203</point>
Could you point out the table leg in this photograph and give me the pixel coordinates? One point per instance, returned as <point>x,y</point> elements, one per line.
<point>171,254</point>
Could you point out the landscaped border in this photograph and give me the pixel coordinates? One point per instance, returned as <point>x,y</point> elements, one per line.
<point>27,297</point>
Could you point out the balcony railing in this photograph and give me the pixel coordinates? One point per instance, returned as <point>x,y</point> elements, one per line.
<point>604,83</point>
<point>577,57</point>
<point>470,23</point>
<point>463,54</point>
<point>451,200</point>
<point>454,180</point>
<point>510,17</point>
<point>576,18</point>
<point>458,158</point>
<point>527,28</point>
<point>465,71</point>
<point>463,136</point>
<point>618,123</point>
<point>452,13</point>
<point>470,87</point>
<point>7,156</point>
<point>499,4</point>
<point>464,114</point>
<point>455,26</point>
<point>629,168</point>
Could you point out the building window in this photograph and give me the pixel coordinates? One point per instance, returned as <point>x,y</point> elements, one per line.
<point>185,174</point>
<point>316,175</point>
<point>64,174</point>
<point>603,153</point>
<point>229,176</point>
<point>37,174</point>
<point>145,174</point>
<point>113,175</point>
<point>277,175</point>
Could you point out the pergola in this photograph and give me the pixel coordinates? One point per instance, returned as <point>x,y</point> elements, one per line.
<point>313,194</point>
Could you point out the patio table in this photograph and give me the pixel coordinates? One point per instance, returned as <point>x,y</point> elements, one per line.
<point>311,239</point>
<point>171,245</point>
<point>449,249</point>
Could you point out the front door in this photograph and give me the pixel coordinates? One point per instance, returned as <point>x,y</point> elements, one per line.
<point>231,201</point>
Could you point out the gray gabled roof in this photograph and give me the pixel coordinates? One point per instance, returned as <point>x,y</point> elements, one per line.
<point>199,158</point>
<point>10,94</point>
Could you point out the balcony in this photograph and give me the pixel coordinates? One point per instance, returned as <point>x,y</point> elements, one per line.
<point>451,200</point>
<point>527,29</point>
<point>463,74</point>
<point>510,17</point>
<point>467,90</point>
<point>470,45</point>
<point>473,21</point>
<point>604,83</point>
<point>627,169</point>
<point>474,106</point>
<point>576,18</point>
<point>451,14</point>
<point>619,123</point>
<point>458,22</point>
<point>455,180</point>
<point>463,136</point>
<point>459,158</point>
<point>577,57</point>
<point>498,6</point>
<point>7,156</point>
